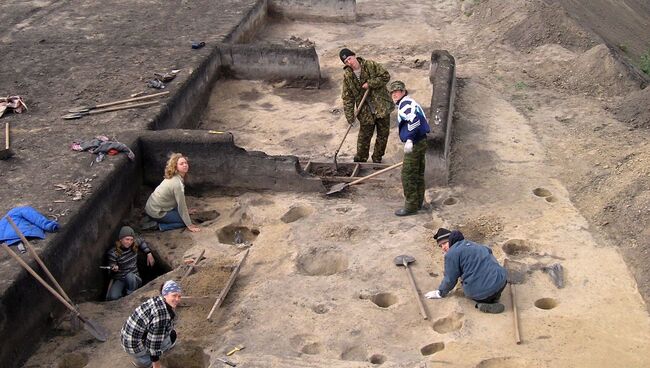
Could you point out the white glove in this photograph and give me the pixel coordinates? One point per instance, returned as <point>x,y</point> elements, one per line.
<point>408,146</point>
<point>433,295</point>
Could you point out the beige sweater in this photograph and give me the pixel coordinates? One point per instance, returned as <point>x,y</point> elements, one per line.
<point>168,195</point>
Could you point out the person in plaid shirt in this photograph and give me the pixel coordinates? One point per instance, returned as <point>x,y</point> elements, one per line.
<point>149,331</point>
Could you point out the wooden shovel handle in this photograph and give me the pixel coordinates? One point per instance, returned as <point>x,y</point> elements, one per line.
<point>38,259</point>
<point>7,135</point>
<point>91,112</point>
<point>131,100</point>
<point>39,279</point>
<point>356,112</point>
<point>515,314</point>
<point>376,173</point>
<point>423,312</point>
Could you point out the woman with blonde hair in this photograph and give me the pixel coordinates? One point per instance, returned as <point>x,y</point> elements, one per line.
<point>166,205</point>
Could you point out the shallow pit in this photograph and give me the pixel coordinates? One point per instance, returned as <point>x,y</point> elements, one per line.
<point>320,309</point>
<point>450,201</point>
<point>377,359</point>
<point>451,323</point>
<point>186,355</point>
<point>542,192</point>
<point>432,348</point>
<point>321,262</point>
<point>205,216</point>
<point>546,303</point>
<point>516,247</point>
<point>236,234</point>
<point>73,360</point>
<point>295,214</point>
<point>509,362</point>
<point>551,199</point>
<point>354,353</point>
<point>384,300</point>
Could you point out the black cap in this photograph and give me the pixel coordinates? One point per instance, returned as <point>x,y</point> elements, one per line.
<point>441,234</point>
<point>345,53</point>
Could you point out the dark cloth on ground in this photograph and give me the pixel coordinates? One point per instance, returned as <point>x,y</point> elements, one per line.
<point>101,146</point>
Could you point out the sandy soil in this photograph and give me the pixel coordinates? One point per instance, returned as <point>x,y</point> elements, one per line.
<point>541,172</point>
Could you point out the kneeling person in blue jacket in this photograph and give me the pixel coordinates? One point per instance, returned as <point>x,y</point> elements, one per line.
<point>483,278</point>
<point>413,128</point>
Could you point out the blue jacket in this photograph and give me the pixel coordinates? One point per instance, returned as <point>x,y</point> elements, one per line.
<point>481,273</point>
<point>29,221</point>
<point>411,120</point>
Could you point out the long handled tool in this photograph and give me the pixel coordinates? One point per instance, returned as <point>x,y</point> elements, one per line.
<point>77,115</point>
<point>514,278</point>
<point>94,328</point>
<point>404,260</point>
<point>7,152</point>
<point>339,187</point>
<point>356,112</point>
<point>99,106</point>
<point>226,289</point>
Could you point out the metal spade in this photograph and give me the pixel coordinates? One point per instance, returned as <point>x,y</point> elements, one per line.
<point>404,260</point>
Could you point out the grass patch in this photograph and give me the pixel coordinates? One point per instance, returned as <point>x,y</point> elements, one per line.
<point>645,62</point>
<point>521,85</point>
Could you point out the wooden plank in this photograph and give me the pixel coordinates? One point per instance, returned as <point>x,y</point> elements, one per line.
<point>226,289</point>
<point>191,267</point>
<point>308,166</point>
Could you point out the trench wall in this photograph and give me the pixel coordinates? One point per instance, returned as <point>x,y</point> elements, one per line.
<point>442,76</point>
<point>328,10</point>
<point>215,161</point>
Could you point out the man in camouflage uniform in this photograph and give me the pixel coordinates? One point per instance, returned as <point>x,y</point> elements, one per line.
<point>413,128</point>
<point>361,75</point>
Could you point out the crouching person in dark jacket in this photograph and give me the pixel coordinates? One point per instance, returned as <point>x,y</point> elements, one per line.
<point>149,331</point>
<point>483,278</point>
<point>123,261</point>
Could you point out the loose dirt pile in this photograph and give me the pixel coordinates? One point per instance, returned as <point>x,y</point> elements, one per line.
<point>598,72</point>
<point>634,109</point>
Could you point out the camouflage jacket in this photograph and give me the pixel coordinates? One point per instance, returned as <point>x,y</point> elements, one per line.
<point>377,78</point>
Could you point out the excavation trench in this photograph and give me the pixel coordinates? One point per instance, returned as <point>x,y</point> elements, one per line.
<point>74,254</point>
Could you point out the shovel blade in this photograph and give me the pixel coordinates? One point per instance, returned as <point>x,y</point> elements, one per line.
<point>403,260</point>
<point>95,329</point>
<point>337,188</point>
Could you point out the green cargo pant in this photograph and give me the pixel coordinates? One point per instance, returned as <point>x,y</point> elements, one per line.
<point>413,176</point>
<point>365,135</point>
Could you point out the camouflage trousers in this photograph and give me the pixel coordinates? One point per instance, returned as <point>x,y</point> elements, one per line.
<point>413,176</point>
<point>365,136</point>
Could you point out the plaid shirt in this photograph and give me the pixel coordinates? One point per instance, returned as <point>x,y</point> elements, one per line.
<point>147,327</point>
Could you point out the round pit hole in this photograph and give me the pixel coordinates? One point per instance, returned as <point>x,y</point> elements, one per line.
<point>321,263</point>
<point>546,303</point>
<point>73,360</point>
<point>542,192</point>
<point>313,348</point>
<point>551,199</point>
<point>186,355</point>
<point>449,324</point>
<point>450,201</point>
<point>320,309</point>
<point>295,214</point>
<point>432,348</point>
<point>204,216</point>
<point>384,300</point>
<point>377,359</point>
<point>516,247</point>
<point>235,235</point>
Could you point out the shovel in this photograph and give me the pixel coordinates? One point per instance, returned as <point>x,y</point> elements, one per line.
<point>7,152</point>
<point>98,331</point>
<point>404,260</point>
<point>515,276</point>
<point>77,115</point>
<point>356,112</point>
<point>88,108</point>
<point>339,187</point>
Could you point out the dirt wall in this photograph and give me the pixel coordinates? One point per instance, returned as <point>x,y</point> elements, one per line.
<point>442,76</point>
<point>330,10</point>
<point>216,161</point>
<point>269,62</point>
